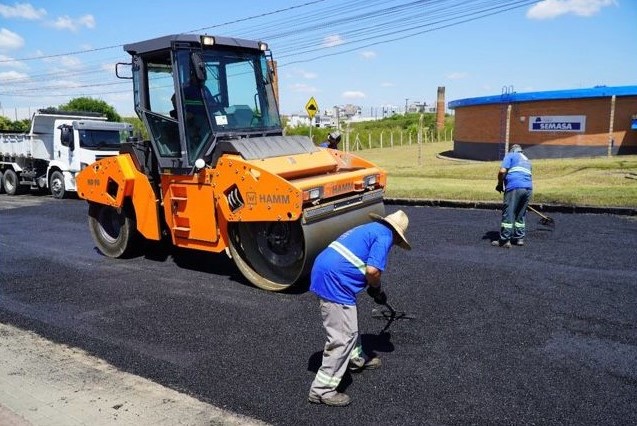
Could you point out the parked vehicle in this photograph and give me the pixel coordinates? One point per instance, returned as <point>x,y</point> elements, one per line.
<point>58,146</point>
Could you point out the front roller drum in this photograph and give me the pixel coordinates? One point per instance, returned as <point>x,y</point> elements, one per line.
<point>275,255</point>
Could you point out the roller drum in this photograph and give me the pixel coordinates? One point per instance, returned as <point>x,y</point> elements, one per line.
<point>275,255</point>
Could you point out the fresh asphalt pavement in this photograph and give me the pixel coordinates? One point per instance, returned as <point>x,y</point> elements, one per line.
<point>540,334</point>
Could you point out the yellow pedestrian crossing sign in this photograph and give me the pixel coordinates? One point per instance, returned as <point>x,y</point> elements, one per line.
<point>311,107</point>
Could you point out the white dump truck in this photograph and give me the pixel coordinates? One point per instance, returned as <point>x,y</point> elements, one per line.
<point>58,146</point>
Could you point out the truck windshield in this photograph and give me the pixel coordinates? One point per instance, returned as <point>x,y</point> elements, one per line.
<point>101,139</point>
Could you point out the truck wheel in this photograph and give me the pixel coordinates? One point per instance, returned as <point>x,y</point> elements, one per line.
<point>1,183</point>
<point>10,182</point>
<point>114,230</point>
<point>56,185</point>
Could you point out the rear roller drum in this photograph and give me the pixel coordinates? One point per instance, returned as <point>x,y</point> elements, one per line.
<point>114,230</point>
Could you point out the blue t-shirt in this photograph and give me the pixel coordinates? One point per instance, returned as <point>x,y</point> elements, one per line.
<point>337,280</point>
<point>519,174</point>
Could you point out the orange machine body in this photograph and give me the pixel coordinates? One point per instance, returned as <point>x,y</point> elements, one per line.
<point>195,209</point>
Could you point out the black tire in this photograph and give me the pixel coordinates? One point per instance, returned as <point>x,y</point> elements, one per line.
<point>1,184</point>
<point>11,182</point>
<point>56,185</point>
<point>114,231</point>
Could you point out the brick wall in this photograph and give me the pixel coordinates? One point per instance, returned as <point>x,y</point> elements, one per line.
<point>486,124</point>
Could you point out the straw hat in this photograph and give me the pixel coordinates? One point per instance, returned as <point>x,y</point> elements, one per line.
<point>399,222</point>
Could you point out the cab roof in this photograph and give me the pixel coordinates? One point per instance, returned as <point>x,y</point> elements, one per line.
<point>167,42</point>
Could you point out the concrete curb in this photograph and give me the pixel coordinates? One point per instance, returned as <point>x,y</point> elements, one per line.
<point>490,205</point>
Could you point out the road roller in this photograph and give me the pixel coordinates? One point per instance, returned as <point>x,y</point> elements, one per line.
<point>216,172</point>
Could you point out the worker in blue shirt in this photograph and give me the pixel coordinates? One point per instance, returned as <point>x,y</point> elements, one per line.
<point>516,180</point>
<point>346,267</point>
<point>332,141</point>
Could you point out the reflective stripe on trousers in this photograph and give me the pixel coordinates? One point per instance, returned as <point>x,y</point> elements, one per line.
<point>514,208</point>
<point>341,327</point>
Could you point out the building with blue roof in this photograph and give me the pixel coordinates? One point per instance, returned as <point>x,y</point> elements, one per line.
<point>553,124</point>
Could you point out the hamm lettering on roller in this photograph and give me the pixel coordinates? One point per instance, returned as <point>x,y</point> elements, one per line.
<point>342,188</point>
<point>274,199</point>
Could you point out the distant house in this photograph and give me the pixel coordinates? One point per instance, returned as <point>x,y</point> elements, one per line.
<point>552,124</point>
<point>296,120</point>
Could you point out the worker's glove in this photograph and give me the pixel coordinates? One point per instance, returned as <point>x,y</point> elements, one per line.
<point>377,294</point>
<point>499,188</point>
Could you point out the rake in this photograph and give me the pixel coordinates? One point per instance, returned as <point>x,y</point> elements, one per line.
<point>391,315</point>
<point>544,220</point>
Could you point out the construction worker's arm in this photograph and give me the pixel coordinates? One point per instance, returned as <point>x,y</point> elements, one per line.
<point>500,186</point>
<point>372,275</point>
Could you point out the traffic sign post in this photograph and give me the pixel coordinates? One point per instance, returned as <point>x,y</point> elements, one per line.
<point>311,107</point>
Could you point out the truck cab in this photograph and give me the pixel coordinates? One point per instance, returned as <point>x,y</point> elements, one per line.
<point>78,143</point>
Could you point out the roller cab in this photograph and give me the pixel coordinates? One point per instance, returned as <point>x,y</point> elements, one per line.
<point>217,173</point>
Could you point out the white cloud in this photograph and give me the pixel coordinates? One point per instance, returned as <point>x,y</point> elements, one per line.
<point>68,23</point>
<point>108,67</point>
<point>21,10</point>
<point>69,61</point>
<point>549,9</point>
<point>457,76</point>
<point>9,62</point>
<point>368,54</point>
<point>301,73</point>
<point>64,84</point>
<point>66,62</point>
<point>333,40</point>
<point>353,94</point>
<point>13,76</point>
<point>10,40</point>
<point>302,88</point>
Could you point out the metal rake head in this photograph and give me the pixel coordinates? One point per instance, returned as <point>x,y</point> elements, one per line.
<point>547,221</point>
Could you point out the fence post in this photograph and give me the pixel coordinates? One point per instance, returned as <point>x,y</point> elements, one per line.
<point>381,140</point>
<point>420,139</point>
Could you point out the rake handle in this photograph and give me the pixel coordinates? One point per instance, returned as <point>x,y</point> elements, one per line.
<point>540,214</point>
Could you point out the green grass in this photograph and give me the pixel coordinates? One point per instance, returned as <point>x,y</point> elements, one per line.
<point>422,174</point>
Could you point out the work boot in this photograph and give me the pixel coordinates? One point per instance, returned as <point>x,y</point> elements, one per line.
<point>370,364</point>
<point>518,242</point>
<point>501,243</point>
<point>337,400</point>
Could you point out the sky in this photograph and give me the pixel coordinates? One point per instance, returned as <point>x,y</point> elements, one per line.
<point>370,53</point>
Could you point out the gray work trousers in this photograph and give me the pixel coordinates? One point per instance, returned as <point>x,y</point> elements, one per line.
<point>341,326</point>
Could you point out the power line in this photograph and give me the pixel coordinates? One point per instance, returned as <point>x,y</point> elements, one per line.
<point>361,23</point>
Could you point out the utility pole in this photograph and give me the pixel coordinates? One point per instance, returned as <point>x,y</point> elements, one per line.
<point>406,100</point>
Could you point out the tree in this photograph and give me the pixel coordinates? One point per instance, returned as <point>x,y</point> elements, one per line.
<point>91,105</point>
<point>18,126</point>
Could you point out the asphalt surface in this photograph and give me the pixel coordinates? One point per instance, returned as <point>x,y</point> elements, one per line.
<point>540,334</point>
